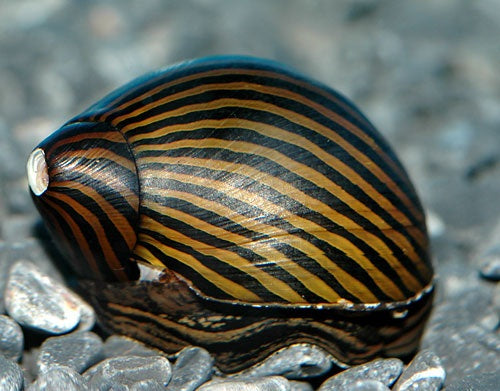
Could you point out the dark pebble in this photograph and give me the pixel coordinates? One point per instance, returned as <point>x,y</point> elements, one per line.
<point>193,367</point>
<point>78,350</point>
<point>11,338</point>
<point>123,372</point>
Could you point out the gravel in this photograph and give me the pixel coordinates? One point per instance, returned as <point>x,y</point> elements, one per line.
<point>382,371</point>
<point>11,375</point>
<point>192,368</point>
<point>78,350</point>
<point>426,73</point>
<point>127,371</point>
<point>11,338</point>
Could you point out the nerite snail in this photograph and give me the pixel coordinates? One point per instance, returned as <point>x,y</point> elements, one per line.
<point>233,204</point>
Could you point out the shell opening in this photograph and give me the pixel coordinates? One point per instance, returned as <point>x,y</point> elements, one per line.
<point>38,173</point>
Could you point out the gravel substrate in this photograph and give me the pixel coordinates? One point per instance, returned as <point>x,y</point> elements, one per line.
<point>426,73</point>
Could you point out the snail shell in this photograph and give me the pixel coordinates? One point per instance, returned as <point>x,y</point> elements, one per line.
<point>232,203</point>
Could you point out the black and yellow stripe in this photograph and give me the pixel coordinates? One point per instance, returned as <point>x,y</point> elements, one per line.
<point>259,186</point>
<point>273,208</point>
<point>91,204</point>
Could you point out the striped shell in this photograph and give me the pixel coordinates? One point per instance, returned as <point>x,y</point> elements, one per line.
<point>231,202</point>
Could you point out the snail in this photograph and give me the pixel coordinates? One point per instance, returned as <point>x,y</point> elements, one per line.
<point>235,204</point>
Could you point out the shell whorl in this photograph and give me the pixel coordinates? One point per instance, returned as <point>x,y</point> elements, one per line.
<point>234,204</point>
<point>259,186</point>
<point>91,199</point>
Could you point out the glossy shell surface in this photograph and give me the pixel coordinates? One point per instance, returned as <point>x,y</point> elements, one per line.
<point>241,184</point>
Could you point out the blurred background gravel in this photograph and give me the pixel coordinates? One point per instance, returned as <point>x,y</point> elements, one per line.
<point>426,73</point>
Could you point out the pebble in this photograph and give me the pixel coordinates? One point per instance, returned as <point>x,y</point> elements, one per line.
<point>193,367</point>
<point>78,350</point>
<point>11,338</point>
<point>37,301</point>
<point>477,382</point>
<point>11,375</point>
<point>296,385</point>
<point>270,383</point>
<point>59,377</point>
<point>147,385</point>
<point>424,372</point>
<point>87,315</point>
<point>297,361</point>
<point>368,385</point>
<point>125,371</point>
<point>385,371</point>
<point>490,268</point>
<point>118,345</point>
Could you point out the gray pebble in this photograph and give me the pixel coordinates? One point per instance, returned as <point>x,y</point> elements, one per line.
<point>368,385</point>
<point>294,362</point>
<point>477,382</point>
<point>491,264</point>
<point>270,383</point>
<point>453,333</point>
<point>296,385</point>
<point>78,350</point>
<point>147,385</point>
<point>11,338</point>
<point>384,371</point>
<point>57,378</point>
<point>11,375</point>
<point>37,301</point>
<point>192,368</point>
<point>118,345</point>
<point>424,372</point>
<point>87,315</point>
<point>128,370</point>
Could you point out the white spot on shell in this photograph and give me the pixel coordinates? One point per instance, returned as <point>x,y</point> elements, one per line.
<point>38,174</point>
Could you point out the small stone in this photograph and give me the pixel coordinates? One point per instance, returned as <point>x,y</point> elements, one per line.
<point>435,224</point>
<point>192,368</point>
<point>37,301</point>
<point>368,385</point>
<point>59,377</point>
<point>491,264</point>
<point>87,315</point>
<point>147,385</point>
<point>294,362</point>
<point>118,345</point>
<point>78,350</point>
<point>296,385</point>
<point>384,371</point>
<point>11,338</point>
<point>424,372</point>
<point>270,383</point>
<point>127,370</point>
<point>11,375</point>
<point>477,382</point>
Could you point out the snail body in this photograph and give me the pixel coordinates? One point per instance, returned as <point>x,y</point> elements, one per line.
<point>234,204</point>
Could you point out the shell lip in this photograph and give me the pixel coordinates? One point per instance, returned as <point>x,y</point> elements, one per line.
<point>38,172</point>
<point>150,273</point>
<point>339,306</point>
